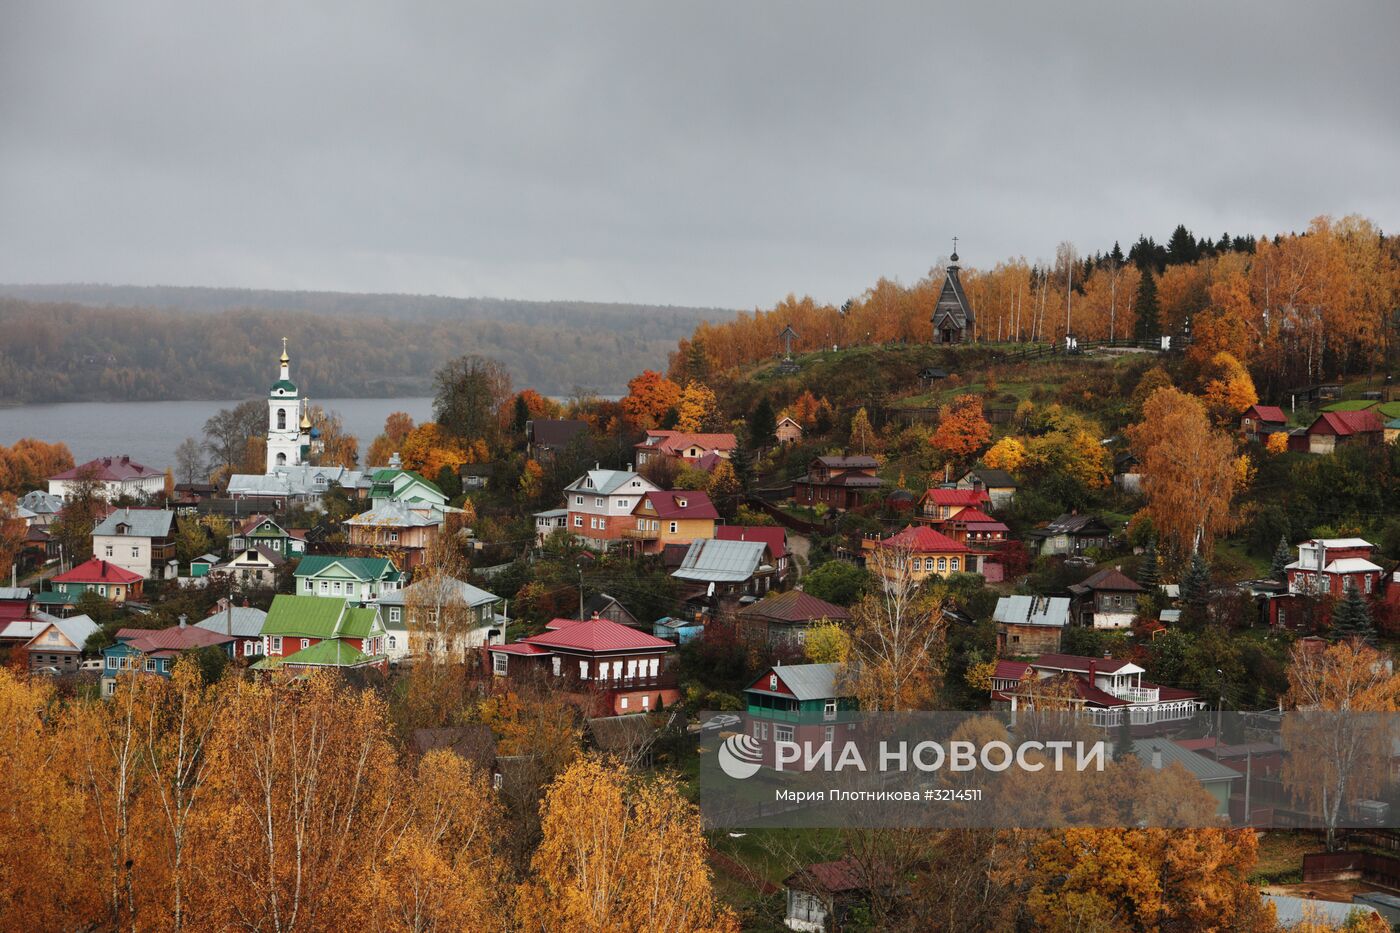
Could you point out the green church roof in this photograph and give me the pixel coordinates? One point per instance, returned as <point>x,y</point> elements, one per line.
<point>286,385</point>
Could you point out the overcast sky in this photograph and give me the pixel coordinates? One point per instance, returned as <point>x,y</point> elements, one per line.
<point>707,153</point>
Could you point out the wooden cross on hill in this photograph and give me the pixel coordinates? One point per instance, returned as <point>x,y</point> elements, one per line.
<point>787,337</point>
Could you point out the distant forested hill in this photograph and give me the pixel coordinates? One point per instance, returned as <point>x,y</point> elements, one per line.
<point>98,342</point>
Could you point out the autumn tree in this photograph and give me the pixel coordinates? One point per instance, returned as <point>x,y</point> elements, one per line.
<point>13,530</point>
<point>962,428</point>
<point>1228,390</point>
<point>698,408</point>
<point>1188,471</point>
<point>468,394</point>
<point>863,436</point>
<point>650,396</point>
<point>397,427</point>
<point>228,432</point>
<point>428,448</point>
<point>1347,751</point>
<point>896,634</point>
<point>1006,454</point>
<point>27,463</point>
<point>619,854</point>
<point>826,642</point>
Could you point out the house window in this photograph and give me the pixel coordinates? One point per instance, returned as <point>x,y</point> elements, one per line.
<point>598,502</point>
<point>674,527</point>
<point>102,590</point>
<point>829,708</point>
<point>583,670</point>
<point>307,586</point>
<point>111,664</point>
<point>277,644</point>
<point>622,503</point>
<point>772,681</point>
<point>578,521</point>
<point>578,500</point>
<point>109,550</point>
<point>928,563</point>
<point>305,643</point>
<point>498,663</point>
<point>394,614</point>
<point>942,564</point>
<point>617,670</point>
<point>602,524</point>
<point>655,663</point>
<point>953,565</point>
<point>326,587</point>
<point>558,664</point>
<point>680,503</point>
<point>150,664</point>
<point>1367,578</point>
<point>782,733</point>
<point>136,552</point>
<point>631,669</point>
<point>829,734</point>
<point>281,419</point>
<point>165,665</point>
<point>623,703</point>
<point>393,537</point>
<point>249,648</point>
<point>335,587</point>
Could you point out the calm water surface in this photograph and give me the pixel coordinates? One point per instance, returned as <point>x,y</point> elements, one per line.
<point>150,431</point>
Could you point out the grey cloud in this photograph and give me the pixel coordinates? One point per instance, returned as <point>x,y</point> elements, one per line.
<point>719,153</point>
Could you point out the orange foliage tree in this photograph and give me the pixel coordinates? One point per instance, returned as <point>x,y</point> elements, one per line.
<point>1188,471</point>
<point>650,396</point>
<point>428,448</point>
<point>962,428</point>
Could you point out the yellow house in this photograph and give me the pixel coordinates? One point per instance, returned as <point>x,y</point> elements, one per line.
<point>671,516</point>
<point>915,554</point>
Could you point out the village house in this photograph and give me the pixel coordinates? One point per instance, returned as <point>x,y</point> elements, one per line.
<point>548,522</point>
<point>1071,534</point>
<point>603,606</point>
<point>999,485</point>
<point>57,644</point>
<point>306,633</point>
<point>943,503</point>
<point>392,484</point>
<point>1259,421</point>
<point>1218,780</point>
<point>289,485</point>
<point>139,540</point>
<point>606,668</point>
<point>797,703</point>
<point>978,530</point>
<point>671,516</point>
<point>115,476</point>
<point>1101,689</point>
<point>251,566</point>
<point>1330,566</point>
<point>726,570</point>
<point>825,896</point>
<point>545,438</point>
<point>914,555</point>
<point>789,431</point>
<point>840,482</point>
<point>601,503</point>
<point>266,531</point>
<point>1030,625</point>
<point>154,651</point>
<point>15,603</point>
<point>243,624</point>
<point>1106,600</point>
<point>1335,428</point>
<point>401,527</point>
<point>96,575</point>
<point>362,579</point>
<point>43,507</point>
<point>474,616</point>
<point>784,618</point>
<point>774,536</point>
<point>684,446</point>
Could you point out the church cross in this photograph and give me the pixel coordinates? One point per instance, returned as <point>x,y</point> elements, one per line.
<point>955,245</point>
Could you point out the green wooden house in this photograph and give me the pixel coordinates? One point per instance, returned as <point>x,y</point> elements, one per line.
<point>360,579</point>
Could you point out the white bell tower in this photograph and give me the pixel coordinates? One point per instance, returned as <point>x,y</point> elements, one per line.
<point>284,419</point>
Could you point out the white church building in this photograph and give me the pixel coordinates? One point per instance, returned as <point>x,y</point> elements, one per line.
<point>291,442</point>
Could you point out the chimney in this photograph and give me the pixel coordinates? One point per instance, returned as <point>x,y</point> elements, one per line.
<point>1156,759</point>
<point>126,458</point>
<point>183,618</point>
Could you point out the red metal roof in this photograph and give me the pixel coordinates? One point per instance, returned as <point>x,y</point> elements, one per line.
<point>666,502</point>
<point>518,647</point>
<point>974,515</point>
<point>149,641</point>
<point>1074,662</point>
<point>672,442</point>
<point>923,538</point>
<point>774,536</point>
<point>598,635</point>
<point>795,606</point>
<point>1266,413</point>
<point>95,570</point>
<point>1346,423</point>
<point>1010,670</point>
<point>967,497</point>
<point>109,469</point>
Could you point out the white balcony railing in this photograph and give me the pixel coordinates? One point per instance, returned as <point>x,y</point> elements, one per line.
<point>1135,694</point>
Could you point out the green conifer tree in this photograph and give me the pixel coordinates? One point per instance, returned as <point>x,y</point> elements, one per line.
<point>1351,618</point>
<point>1150,573</point>
<point>1147,326</point>
<point>1123,744</point>
<point>1283,556</point>
<point>1195,590</point>
<point>763,424</point>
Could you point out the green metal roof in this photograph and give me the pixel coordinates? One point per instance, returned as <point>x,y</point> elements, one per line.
<point>285,385</point>
<point>358,623</point>
<point>1390,410</point>
<point>386,479</point>
<point>304,616</point>
<point>1351,405</point>
<point>334,652</point>
<point>53,597</point>
<point>363,569</point>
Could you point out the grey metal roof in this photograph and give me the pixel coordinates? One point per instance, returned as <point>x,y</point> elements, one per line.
<point>142,523</point>
<point>247,622</point>
<point>471,595</point>
<point>952,301</point>
<point>1293,911</point>
<point>606,482</point>
<point>715,561</point>
<point>1202,768</point>
<point>809,681</point>
<point>394,513</point>
<point>41,502</point>
<point>14,592</point>
<point>76,629</point>
<point>292,481</point>
<point>1051,611</point>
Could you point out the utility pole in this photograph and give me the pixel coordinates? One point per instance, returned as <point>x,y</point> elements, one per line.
<point>580,594</point>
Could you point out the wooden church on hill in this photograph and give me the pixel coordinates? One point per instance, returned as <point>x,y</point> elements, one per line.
<point>952,316</point>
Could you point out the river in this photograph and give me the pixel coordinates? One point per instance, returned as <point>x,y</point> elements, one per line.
<point>149,432</point>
